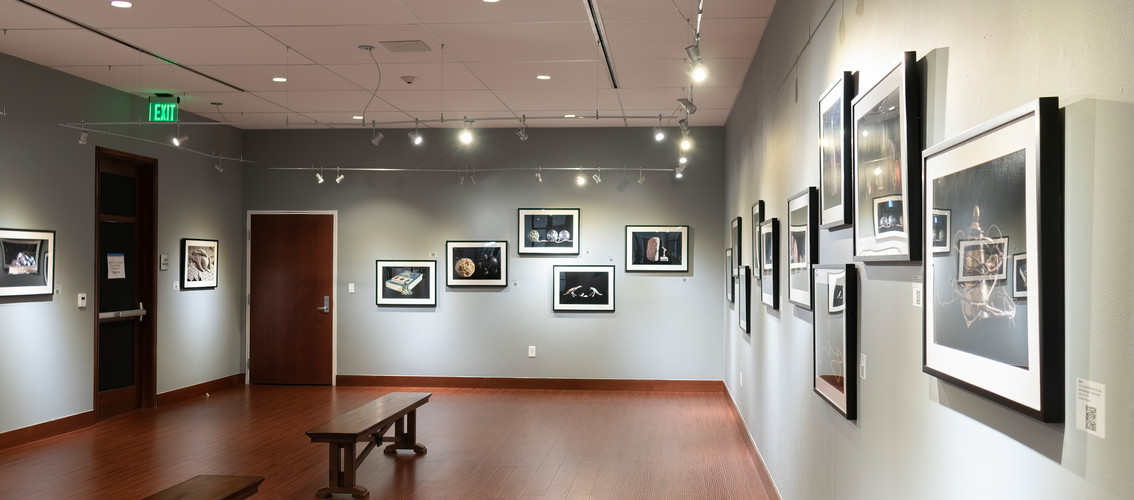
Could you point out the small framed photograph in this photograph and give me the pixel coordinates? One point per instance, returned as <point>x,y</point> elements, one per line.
<point>835,159</point>
<point>657,248</point>
<point>940,235</point>
<point>757,218</point>
<point>476,263</point>
<point>730,280</point>
<point>1003,183</point>
<point>549,231</point>
<point>770,263</point>
<point>743,290</point>
<point>803,243</point>
<point>406,282</point>
<point>737,252</point>
<point>887,182</point>
<point>198,264</point>
<point>582,288</point>
<point>836,338</point>
<point>27,262</point>
<point>1020,276</point>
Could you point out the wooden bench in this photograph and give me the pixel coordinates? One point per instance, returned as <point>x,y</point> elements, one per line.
<point>211,488</point>
<point>368,424</point>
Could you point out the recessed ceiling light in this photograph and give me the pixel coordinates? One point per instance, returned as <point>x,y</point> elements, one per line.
<point>358,117</point>
<point>121,4</point>
<point>543,77</point>
<point>491,1</point>
<point>279,79</point>
<point>568,116</point>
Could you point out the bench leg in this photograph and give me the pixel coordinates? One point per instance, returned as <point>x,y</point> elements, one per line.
<point>342,469</point>
<point>405,436</point>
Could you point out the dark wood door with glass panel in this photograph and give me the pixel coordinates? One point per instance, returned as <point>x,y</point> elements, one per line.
<point>124,338</point>
<point>291,274</point>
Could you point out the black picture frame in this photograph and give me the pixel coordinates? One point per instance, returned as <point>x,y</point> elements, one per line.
<point>1003,181</point>
<point>887,155</point>
<point>476,263</point>
<point>835,330</point>
<point>770,263</point>
<point>756,219</point>
<point>737,252</point>
<point>836,181</point>
<point>200,266</point>
<point>405,283</point>
<point>803,245</point>
<point>551,231</point>
<point>743,299</point>
<point>581,288</point>
<point>730,279</point>
<point>27,262</point>
<point>657,249</point>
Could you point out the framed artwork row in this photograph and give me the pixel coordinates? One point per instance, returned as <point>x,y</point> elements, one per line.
<point>835,154</point>
<point>27,262</point>
<point>835,329</point>
<point>803,245</point>
<point>406,282</point>
<point>198,264</point>
<point>582,288</point>
<point>548,231</point>
<point>657,248</point>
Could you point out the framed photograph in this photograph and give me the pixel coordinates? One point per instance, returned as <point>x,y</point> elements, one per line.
<point>582,288</point>
<point>406,282</point>
<point>757,218</point>
<point>27,262</point>
<point>835,158</point>
<point>657,248</point>
<point>887,180</point>
<point>730,280</point>
<point>198,264</point>
<point>940,231</point>
<point>737,257</point>
<point>476,263</point>
<point>549,231</point>
<point>836,338</point>
<point>743,289</point>
<point>1020,276</point>
<point>803,245</point>
<point>770,263</point>
<point>1001,178</point>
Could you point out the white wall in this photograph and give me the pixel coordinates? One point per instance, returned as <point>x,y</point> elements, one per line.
<point>666,326</point>
<point>917,437</point>
<point>47,182</point>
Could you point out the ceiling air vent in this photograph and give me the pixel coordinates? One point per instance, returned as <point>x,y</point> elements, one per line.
<point>406,46</point>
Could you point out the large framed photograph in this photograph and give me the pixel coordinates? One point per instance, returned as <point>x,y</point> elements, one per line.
<point>887,180</point>
<point>737,252</point>
<point>198,264</point>
<point>406,282</point>
<point>549,231</point>
<point>743,290</point>
<point>770,263</point>
<point>836,338</point>
<point>582,288</point>
<point>1002,183</point>
<point>27,262</point>
<point>803,245</point>
<point>730,280</point>
<point>835,158</point>
<point>757,218</point>
<point>476,263</point>
<point>657,248</point>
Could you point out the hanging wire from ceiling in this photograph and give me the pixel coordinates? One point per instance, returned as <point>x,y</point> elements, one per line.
<point>370,50</point>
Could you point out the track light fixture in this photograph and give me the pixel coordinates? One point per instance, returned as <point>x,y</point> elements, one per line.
<point>641,177</point>
<point>522,132</point>
<point>679,172</point>
<point>597,177</point>
<point>180,140</point>
<point>683,160</point>
<point>659,132</point>
<point>218,167</point>
<point>688,105</point>
<point>377,138</point>
<point>686,143</point>
<point>539,175</point>
<point>698,71</point>
<point>319,177</point>
<point>466,135</point>
<point>415,136</point>
<point>339,178</point>
<point>580,180</point>
<point>83,136</point>
<point>684,124</point>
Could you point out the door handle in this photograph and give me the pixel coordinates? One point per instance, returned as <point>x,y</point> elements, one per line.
<point>326,304</point>
<point>139,313</point>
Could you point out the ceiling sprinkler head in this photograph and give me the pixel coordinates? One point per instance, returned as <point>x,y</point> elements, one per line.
<point>409,79</point>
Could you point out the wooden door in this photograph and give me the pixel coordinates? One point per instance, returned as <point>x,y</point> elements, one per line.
<point>291,267</point>
<point>125,347</point>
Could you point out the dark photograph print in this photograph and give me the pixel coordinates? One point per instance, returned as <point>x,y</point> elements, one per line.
<point>939,237</point>
<point>198,263</point>
<point>1020,275</point>
<point>26,262</point>
<point>657,248</point>
<point>583,288</point>
<point>835,152</point>
<point>769,263</point>
<point>549,230</point>
<point>889,220</point>
<point>476,263</point>
<point>406,282</point>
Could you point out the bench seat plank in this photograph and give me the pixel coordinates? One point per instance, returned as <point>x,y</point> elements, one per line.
<point>206,487</point>
<point>359,423</point>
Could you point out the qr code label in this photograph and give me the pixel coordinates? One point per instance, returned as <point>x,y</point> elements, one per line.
<point>1092,418</point>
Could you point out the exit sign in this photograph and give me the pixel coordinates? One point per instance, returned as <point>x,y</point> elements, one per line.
<point>163,111</point>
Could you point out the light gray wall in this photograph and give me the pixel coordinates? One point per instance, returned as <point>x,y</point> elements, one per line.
<point>666,326</point>
<point>47,182</point>
<point>917,437</point>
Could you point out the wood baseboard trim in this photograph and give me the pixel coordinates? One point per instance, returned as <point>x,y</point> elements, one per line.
<point>765,476</point>
<point>47,429</point>
<point>201,389</point>
<point>532,383</point>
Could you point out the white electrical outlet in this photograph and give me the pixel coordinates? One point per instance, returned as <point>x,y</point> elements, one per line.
<point>82,300</point>
<point>531,351</point>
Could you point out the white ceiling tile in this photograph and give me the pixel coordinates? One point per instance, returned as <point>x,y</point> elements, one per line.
<point>517,42</point>
<point>308,13</point>
<point>69,47</point>
<point>648,39</point>
<point>654,73</point>
<point>233,103</point>
<point>476,11</point>
<point>258,78</point>
<point>577,101</point>
<point>381,119</point>
<point>736,37</point>
<point>522,75</point>
<point>455,102</point>
<point>19,16</point>
<point>144,14</point>
<point>211,46</point>
<point>339,44</point>
<point>346,101</point>
<point>429,76</point>
<point>624,10</point>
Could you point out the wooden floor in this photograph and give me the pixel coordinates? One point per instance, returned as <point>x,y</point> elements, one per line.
<point>483,443</point>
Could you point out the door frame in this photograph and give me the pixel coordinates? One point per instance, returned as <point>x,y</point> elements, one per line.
<point>334,285</point>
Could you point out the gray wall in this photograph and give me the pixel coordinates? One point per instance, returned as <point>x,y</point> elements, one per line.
<point>917,437</point>
<point>47,182</point>
<point>666,326</point>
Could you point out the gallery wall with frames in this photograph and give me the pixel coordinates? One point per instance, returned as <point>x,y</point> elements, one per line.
<point>918,278</point>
